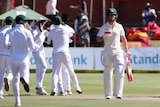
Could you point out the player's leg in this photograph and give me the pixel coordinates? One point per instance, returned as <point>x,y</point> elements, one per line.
<point>2,70</point>
<point>24,75</point>
<point>66,81</point>
<point>119,65</point>
<point>15,83</point>
<point>108,74</point>
<point>41,67</point>
<point>56,74</point>
<point>9,75</point>
<point>68,63</point>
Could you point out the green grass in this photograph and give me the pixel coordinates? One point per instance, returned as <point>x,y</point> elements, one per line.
<point>144,91</point>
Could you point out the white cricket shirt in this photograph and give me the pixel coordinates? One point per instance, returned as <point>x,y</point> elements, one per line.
<point>59,36</point>
<point>4,50</point>
<point>111,36</point>
<point>39,38</point>
<point>21,43</point>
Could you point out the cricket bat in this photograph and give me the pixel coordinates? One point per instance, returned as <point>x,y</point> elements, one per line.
<point>129,70</point>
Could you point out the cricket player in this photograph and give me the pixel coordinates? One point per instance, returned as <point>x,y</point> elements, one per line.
<point>113,55</point>
<point>70,76</point>
<point>39,35</point>
<point>59,36</point>
<point>5,68</point>
<point>21,43</point>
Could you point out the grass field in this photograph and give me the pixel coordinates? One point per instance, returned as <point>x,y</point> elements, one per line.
<point>144,91</point>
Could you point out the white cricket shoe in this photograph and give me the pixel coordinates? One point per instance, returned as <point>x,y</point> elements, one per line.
<point>1,96</point>
<point>108,97</point>
<point>18,104</point>
<point>41,91</point>
<point>68,92</point>
<point>61,94</point>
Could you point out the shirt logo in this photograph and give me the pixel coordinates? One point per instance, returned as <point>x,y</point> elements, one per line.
<point>107,32</point>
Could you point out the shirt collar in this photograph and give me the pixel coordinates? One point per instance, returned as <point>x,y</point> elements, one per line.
<point>19,25</point>
<point>115,24</point>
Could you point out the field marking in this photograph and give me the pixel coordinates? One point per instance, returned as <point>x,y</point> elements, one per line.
<point>91,97</point>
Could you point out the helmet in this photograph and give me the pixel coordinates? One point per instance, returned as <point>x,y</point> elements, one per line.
<point>111,11</point>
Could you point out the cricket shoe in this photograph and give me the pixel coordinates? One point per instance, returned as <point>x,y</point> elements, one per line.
<point>61,94</point>
<point>118,97</point>
<point>108,97</point>
<point>79,92</point>
<point>1,96</point>
<point>17,104</point>
<point>41,91</point>
<point>25,85</point>
<point>68,92</point>
<point>53,93</point>
<point>6,84</point>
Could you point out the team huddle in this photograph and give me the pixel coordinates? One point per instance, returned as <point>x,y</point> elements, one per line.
<point>15,45</point>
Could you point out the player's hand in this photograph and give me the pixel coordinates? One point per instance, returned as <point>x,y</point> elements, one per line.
<point>41,27</point>
<point>71,6</point>
<point>128,54</point>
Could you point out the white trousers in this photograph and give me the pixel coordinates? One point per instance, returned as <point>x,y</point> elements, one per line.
<point>113,59</point>
<point>5,70</point>
<point>66,79</point>
<point>17,70</point>
<point>41,67</point>
<point>70,76</point>
<point>59,61</point>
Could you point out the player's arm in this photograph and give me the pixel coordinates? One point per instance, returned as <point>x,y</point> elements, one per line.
<point>99,38</point>
<point>30,41</point>
<point>7,42</point>
<point>49,38</point>
<point>100,34</point>
<point>124,42</point>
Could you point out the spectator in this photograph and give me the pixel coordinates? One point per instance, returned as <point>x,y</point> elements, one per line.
<point>83,32</point>
<point>148,14</point>
<point>51,10</point>
<point>81,6</point>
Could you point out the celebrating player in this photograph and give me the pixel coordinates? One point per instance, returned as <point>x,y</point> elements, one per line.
<point>59,36</point>
<point>4,56</point>
<point>39,35</point>
<point>21,42</point>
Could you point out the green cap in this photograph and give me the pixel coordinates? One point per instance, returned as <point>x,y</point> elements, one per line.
<point>9,19</point>
<point>20,18</point>
<point>58,20</point>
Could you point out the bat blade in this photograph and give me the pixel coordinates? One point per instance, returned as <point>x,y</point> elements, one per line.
<point>129,71</point>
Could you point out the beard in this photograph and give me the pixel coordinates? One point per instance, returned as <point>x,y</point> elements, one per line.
<point>113,18</point>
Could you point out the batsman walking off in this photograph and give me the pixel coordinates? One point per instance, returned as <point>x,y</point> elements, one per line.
<point>112,33</point>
